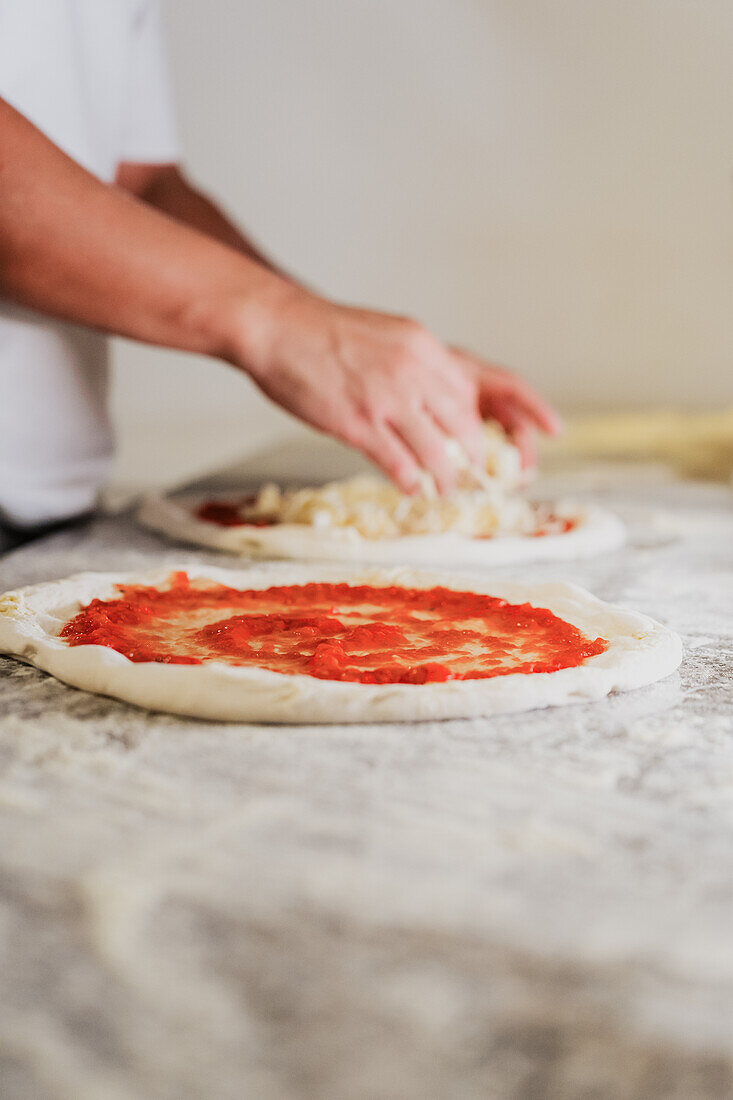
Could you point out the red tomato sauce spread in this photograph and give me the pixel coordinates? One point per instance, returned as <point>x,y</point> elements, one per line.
<point>362,633</point>
<point>225,513</point>
<point>554,525</point>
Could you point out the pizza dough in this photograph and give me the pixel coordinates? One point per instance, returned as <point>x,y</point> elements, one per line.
<point>639,651</point>
<point>359,521</point>
<point>366,519</point>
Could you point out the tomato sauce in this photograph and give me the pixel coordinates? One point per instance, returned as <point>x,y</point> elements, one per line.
<point>226,513</point>
<point>334,631</point>
<point>553,525</point>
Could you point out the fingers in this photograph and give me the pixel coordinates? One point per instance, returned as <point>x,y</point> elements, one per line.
<point>525,440</point>
<point>519,410</point>
<point>450,411</point>
<point>462,422</point>
<point>408,450</point>
<point>386,450</point>
<point>427,443</point>
<point>421,395</point>
<point>520,430</point>
<point>535,409</point>
<point>495,384</point>
<point>510,392</point>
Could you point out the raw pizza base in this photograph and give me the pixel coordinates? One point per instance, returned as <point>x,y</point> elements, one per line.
<point>595,531</point>
<point>640,651</point>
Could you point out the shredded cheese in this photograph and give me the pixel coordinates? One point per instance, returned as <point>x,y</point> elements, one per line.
<point>377,509</point>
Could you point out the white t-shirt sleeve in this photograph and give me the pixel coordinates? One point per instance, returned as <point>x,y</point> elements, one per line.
<point>149,126</point>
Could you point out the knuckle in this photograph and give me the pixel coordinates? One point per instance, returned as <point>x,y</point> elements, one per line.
<point>378,409</point>
<point>459,384</point>
<point>434,452</point>
<point>401,362</point>
<point>415,338</point>
<point>405,474</point>
<point>406,325</point>
<point>355,434</point>
<point>398,467</point>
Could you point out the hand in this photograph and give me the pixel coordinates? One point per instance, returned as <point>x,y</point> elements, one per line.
<point>379,383</point>
<point>512,402</point>
<point>385,385</point>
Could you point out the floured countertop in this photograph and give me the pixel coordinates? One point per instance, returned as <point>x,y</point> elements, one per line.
<point>538,906</point>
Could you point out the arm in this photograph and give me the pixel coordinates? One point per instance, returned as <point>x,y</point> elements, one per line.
<point>76,248</point>
<point>166,188</point>
<point>501,395</point>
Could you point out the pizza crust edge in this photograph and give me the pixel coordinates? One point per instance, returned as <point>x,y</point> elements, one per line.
<point>596,531</point>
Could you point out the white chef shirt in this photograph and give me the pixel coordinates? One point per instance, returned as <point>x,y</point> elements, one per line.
<point>92,75</point>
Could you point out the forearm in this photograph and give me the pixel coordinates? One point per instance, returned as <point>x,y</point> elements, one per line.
<point>78,249</point>
<point>168,189</point>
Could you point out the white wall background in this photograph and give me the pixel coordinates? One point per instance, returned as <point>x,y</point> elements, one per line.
<point>547,181</point>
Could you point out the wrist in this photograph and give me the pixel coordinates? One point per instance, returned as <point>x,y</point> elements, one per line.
<point>246,322</point>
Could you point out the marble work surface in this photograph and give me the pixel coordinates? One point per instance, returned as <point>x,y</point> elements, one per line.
<point>531,908</point>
